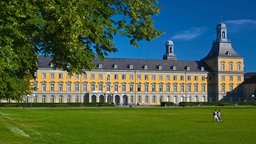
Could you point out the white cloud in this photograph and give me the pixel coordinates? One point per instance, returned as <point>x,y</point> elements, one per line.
<point>189,34</point>
<point>241,22</point>
<point>239,25</point>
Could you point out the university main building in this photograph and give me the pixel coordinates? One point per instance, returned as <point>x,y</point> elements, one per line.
<point>216,77</point>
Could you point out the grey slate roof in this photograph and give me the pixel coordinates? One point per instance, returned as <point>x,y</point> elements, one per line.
<point>250,78</point>
<point>138,64</point>
<point>222,49</point>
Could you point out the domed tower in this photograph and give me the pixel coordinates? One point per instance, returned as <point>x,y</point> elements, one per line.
<point>169,53</point>
<point>227,68</point>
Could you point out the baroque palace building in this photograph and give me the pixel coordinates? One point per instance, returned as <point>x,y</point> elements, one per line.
<point>216,77</point>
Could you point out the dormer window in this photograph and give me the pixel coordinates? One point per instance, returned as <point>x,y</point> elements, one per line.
<point>145,67</point>
<point>188,68</point>
<point>115,66</point>
<point>228,53</point>
<point>160,67</point>
<point>100,66</point>
<point>202,68</point>
<point>51,65</point>
<point>174,68</point>
<point>130,66</point>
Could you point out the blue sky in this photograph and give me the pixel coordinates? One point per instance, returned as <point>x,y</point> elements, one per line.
<point>190,24</point>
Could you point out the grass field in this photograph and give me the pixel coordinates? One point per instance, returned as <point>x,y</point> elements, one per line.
<point>127,126</point>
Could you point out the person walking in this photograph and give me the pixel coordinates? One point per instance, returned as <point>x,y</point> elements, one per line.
<point>219,116</point>
<point>215,117</point>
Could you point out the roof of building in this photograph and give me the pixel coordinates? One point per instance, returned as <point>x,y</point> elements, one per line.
<point>250,78</point>
<point>222,49</point>
<point>139,64</point>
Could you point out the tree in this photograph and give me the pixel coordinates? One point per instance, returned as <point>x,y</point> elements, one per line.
<point>73,33</point>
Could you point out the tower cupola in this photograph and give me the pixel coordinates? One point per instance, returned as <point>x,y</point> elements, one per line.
<point>221,32</point>
<point>169,52</point>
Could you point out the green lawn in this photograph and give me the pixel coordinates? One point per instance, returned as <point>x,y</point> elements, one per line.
<point>127,126</point>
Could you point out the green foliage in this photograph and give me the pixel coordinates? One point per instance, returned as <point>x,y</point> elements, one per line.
<point>167,104</point>
<point>73,32</point>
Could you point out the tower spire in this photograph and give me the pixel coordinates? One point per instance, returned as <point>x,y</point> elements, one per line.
<point>169,54</point>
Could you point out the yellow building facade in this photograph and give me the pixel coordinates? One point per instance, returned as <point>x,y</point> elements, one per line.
<point>147,82</point>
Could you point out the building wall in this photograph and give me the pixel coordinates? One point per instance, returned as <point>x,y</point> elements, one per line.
<point>184,86</point>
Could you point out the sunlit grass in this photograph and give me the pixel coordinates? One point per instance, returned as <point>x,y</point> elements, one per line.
<point>127,126</point>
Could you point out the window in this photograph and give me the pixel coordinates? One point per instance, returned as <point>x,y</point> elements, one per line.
<point>239,78</point>
<point>239,66</point>
<point>100,66</point>
<point>174,77</point>
<point>69,99</point>
<point>189,77</point>
<point>168,99</point>
<point>139,87</point>
<point>182,88</point>
<point>230,78</point>
<point>100,86</point>
<point>124,87</point>
<point>153,87</point>
<point>100,76</point>
<point>181,77</point>
<point>60,87</point>
<point>123,77</point>
<point>230,66</point>
<point>52,98</point>
<point>160,87</point>
<point>168,88</point>
<point>139,77</point>
<point>43,99</point>
<point>60,75</point>
<point>131,76</point>
<point>160,77</point>
<point>203,78</point>
<point>223,78</point>
<point>52,75</point>
<point>76,87</point>
<point>231,87</point>
<point>203,88</point>
<point>153,77</point>
<point>196,88</point>
<point>175,87</point>
<point>131,87</point>
<point>167,77</point>
<point>43,87</point>
<point>189,88</point>
<point>92,76</point>
<point>92,86</point>
<point>116,76</point>
<point>116,87</point>
<point>146,77</point>
<point>84,86</point>
<point>146,87</point>
<point>61,99</point>
<point>52,87</point>
<point>154,99</point>
<point>77,98</point>
<point>195,78</point>
<point>35,87</point>
<point>108,87</point>
<point>222,66</point>
<point>43,75</point>
<point>146,99</point>
<point>68,87</point>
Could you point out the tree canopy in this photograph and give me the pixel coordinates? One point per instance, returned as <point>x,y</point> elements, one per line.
<point>73,33</point>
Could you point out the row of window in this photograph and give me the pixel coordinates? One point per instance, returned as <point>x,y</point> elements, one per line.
<point>117,99</point>
<point>123,87</point>
<point>231,67</point>
<point>231,78</point>
<point>131,77</point>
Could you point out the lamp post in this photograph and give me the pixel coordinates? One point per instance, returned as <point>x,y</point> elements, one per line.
<point>252,97</point>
